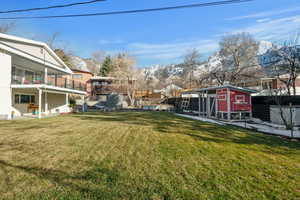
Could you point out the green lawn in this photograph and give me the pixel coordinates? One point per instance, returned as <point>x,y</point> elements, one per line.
<point>143,156</point>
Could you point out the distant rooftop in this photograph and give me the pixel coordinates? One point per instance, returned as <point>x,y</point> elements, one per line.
<point>106,78</point>
<point>103,78</point>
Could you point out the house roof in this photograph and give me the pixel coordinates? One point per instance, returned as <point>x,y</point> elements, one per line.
<point>221,87</point>
<point>102,78</point>
<point>81,71</point>
<point>108,78</point>
<point>35,43</point>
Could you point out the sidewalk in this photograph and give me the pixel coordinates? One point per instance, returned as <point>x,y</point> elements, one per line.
<point>264,127</point>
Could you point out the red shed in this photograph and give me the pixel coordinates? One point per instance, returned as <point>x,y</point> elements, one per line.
<point>225,102</point>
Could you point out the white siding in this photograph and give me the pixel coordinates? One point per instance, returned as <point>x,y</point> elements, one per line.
<point>33,50</point>
<point>5,90</point>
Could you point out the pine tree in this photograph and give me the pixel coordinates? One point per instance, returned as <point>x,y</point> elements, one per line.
<point>106,67</point>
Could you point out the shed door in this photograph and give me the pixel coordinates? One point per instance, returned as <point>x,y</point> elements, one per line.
<point>212,106</point>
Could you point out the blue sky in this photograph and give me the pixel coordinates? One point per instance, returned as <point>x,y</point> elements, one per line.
<point>158,37</point>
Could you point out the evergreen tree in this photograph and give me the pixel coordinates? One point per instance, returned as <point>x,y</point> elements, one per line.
<point>106,67</point>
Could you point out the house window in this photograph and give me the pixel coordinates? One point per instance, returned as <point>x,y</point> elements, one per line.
<point>77,76</point>
<point>24,99</point>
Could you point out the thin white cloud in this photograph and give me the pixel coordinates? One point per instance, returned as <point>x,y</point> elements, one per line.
<point>263,20</point>
<point>106,42</point>
<point>274,30</point>
<point>171,51</point>
<point>266,14</point>
<point>280,29</point>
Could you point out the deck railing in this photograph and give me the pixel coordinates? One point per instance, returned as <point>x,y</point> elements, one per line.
<point>109,88</point>
<point>52,80</point>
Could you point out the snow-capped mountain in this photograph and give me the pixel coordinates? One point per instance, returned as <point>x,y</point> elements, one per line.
<point>264,46</point>
<point>212,63</point>
<point>167,70</point>
<point>78,63</point>
<point>150,71</point>
<point>87,65</point>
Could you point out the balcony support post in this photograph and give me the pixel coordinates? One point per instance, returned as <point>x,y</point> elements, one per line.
<point>40,103</point>
<point>83,103</point>
<point>46,76</point>
<point>67,99</point>
<point>46,103</point>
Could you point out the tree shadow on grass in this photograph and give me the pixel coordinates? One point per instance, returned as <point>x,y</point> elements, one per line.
<point>85,184</point>
<point>97,183</point>
<point>168,123</point>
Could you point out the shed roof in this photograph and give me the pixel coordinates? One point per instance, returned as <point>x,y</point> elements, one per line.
<point>221,87</point>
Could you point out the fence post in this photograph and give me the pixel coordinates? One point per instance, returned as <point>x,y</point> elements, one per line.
<point>291,120</point>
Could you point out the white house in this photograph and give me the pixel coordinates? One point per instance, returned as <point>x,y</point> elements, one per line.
<point>33,79</point>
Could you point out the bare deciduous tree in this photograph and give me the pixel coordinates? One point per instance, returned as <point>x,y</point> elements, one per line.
<point>52,40</point>
<point>192,59</point>
<point>98,56</point>
<point>7,27</point>
<point>124,70</point>
<point>146,80</point>
<point>97,60</point>
<point>286,65</point>
<point>238,53</point>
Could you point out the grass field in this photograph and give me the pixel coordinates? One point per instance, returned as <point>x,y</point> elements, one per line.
<point>143,156</point>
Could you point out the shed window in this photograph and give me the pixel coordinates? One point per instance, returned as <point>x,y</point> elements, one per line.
<point>222,97</point>
<point>240,98</point>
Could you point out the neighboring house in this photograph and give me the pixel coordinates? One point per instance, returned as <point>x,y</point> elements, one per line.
<point>275,65</point>
<point>147,94</point>
<point>264,86</point>
<point>84,77</point>
<point>32,79</point>
<point>104,86</point>
<point>171,90</point>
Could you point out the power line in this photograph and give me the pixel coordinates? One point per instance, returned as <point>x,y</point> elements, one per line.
<point>49,7</point>
<point>216,3</point>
